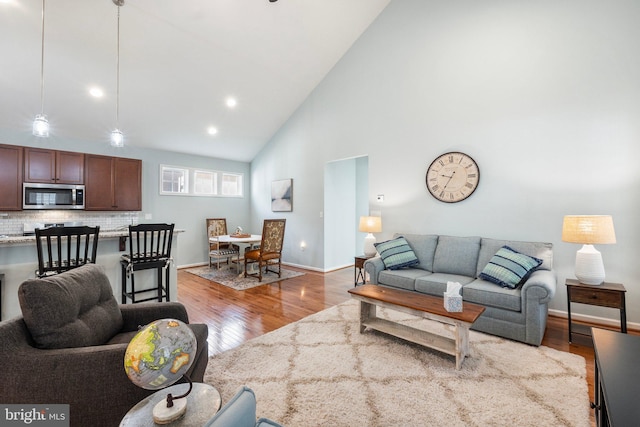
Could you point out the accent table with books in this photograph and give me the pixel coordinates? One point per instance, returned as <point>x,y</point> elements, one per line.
<point>426,306</point>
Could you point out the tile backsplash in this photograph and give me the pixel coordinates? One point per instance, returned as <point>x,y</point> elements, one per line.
<point>11,223</point>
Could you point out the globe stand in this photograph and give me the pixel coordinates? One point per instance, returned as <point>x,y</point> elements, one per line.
<point>169,410</point>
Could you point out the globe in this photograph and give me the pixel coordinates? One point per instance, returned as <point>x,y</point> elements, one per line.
<point>160,353</point>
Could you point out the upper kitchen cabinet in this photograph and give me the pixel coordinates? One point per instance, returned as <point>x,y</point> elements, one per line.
<point>51,166</point>
<point>112,183</point>
<point>10,178</point>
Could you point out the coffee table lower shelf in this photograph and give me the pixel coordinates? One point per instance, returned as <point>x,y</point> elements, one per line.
<point>425,306</point>
<point>437,342</point>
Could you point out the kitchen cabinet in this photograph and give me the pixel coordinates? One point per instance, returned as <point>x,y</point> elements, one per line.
<point>52,166</point>
<point>10,178</point>
<point>112,183</point>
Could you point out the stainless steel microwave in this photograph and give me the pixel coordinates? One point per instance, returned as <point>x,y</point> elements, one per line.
<point>52,196</point>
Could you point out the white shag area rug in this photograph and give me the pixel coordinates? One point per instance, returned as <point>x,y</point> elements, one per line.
<point>228,276</point>
<point>320,371</point>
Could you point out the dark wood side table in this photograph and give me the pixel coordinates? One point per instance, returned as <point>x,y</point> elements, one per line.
<point>616,378</point>
<point>358,269</point>
<point>604,295</point>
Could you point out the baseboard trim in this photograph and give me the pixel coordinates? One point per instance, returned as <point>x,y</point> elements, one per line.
<point>595,320</point>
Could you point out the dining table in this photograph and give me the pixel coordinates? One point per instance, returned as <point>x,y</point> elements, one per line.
<point>243,242</point>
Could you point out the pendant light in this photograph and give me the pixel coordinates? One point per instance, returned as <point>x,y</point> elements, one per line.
<point>117,138</point>
<point>40,123</point>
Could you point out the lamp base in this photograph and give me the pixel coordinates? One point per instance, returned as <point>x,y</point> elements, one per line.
<point>369,248</point>
<point>589,266</point>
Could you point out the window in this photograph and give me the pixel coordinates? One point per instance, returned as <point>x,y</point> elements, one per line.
<point>204,183</point>
<point>176,180</point>
<point>231,184</point>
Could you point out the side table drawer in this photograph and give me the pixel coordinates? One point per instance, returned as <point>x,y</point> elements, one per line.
<point>599,297</point>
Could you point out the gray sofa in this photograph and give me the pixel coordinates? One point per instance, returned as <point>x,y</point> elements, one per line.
<point>69,346</point>
<point>519,314</point>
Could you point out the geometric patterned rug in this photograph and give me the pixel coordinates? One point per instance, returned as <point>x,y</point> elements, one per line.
<point>229,276</point>
<point>320,371</point>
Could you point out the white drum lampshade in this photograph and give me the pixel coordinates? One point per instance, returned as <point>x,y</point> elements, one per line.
<point>370,224</point>
<point>589,230</point>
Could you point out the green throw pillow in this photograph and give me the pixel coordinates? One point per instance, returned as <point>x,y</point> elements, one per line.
<point>396,253</point>
<point>509,268</point>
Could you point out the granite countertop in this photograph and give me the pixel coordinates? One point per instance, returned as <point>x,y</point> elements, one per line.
<point>106,234</point>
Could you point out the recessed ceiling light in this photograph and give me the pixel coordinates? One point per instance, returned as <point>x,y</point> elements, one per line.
<point>212,130</point>
<point>231,102</point>
<point>96,92</point>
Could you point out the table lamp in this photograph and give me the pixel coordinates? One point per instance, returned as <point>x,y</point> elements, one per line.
<point>370,224</point>
<point>159,355</point>
<point>589,230</point>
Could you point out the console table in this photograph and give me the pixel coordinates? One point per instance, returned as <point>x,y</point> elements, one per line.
<point>616,378</point>
<point>604,295</point>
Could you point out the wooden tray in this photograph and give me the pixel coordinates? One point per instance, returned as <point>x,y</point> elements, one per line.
<point>240,236</point>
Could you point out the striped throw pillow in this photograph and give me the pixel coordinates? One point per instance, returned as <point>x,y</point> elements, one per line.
<point>396,253</point>
<point>509,268</point>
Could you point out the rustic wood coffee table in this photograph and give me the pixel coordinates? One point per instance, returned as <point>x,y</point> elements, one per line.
<point>426,306</point>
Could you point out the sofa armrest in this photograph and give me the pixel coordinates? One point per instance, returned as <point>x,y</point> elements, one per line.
<point>541,285</point>
<point>372,267</point>
<point>136,315</point>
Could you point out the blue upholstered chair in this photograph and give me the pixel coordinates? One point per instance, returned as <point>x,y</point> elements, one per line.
<point>240,411</point>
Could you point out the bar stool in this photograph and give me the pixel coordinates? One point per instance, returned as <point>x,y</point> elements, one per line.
<point>149,248</point>
<point>65,248</point>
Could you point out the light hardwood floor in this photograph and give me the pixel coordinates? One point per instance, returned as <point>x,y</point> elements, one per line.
<point>234,317</point>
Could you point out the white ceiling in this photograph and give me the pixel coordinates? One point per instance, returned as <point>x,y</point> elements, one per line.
<point>179,61</point>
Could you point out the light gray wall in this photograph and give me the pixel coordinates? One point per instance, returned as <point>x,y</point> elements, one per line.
<point>544,95</point>
<point>187,212</point>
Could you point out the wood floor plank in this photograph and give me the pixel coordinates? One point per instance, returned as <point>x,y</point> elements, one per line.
<point>234,317</point>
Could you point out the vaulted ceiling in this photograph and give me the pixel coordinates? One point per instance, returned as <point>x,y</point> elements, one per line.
<point>179,63</point>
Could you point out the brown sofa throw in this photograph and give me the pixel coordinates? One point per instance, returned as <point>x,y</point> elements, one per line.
<point>73,309</point>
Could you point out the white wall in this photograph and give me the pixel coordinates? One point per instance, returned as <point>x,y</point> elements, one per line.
<point>544,95</point>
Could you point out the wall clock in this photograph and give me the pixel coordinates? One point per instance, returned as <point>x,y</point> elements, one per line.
<point>452,177</point>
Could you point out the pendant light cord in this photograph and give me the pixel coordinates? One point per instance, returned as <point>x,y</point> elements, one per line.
<point>118,74</point>
<point>42,65</point>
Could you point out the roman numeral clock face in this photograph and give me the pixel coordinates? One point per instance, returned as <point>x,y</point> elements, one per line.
<point>452,177</point>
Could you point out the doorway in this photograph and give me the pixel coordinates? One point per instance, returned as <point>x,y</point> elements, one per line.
<point>346,198</point>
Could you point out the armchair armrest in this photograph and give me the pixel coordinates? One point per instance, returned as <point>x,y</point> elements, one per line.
<point>372,267</point>
<point>136,315</point>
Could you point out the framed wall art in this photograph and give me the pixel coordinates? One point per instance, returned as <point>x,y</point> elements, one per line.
<point>282,195</point>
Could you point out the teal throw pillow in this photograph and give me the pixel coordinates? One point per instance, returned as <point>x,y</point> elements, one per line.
<point>509,268</point>
<point>396,253</point>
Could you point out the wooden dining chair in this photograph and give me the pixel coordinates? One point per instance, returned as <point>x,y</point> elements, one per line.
<point>64,248</point>
<point>270,251</point>
<point>219,251</point>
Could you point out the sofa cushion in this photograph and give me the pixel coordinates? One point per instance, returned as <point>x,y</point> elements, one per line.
<point>396,253</point>
<point>424,246</point>
<point>488,294</point>
<point>456,255</point>
<point>403,279</point>
<point>541,250</point>
<point>435,284</point>
<point>72,309</point>
<point>509,268</point>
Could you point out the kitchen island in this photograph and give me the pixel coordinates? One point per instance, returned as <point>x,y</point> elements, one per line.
<point>19,261</point>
